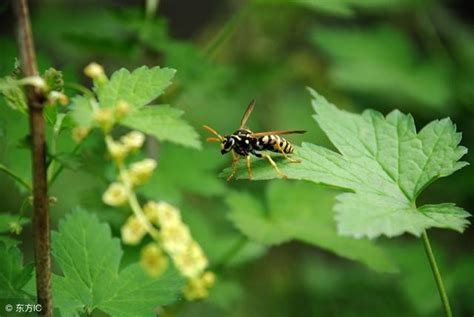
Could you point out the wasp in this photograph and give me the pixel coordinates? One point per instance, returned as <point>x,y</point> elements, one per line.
<point>243,143</point>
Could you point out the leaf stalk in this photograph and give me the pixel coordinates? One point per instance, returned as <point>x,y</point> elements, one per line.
<point>437,275</point>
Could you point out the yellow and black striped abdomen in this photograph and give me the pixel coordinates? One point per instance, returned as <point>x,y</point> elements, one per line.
<point>274,143</point>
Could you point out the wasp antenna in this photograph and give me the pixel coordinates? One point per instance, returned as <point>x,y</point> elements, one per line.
<point>208,128</point>
<point>213,139</point>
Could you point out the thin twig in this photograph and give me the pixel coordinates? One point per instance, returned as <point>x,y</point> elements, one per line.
<point>40,187</point>
<point>58,171</point>
<point>20,180</point>
<point>230,254</point>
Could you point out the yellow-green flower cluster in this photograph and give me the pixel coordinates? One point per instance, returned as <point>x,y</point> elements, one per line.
<point>160,220</point>
<point>187,254</point>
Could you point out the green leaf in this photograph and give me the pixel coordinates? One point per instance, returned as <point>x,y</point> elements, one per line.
<point>301,211</point>
<point>164,123</point>
<point>385,164</point>
<point>9,242</point>
<point>81,111</point>
<point>13,94</point>
<point>13,275</point>
<point>89,258</point>
<point>138,88</point>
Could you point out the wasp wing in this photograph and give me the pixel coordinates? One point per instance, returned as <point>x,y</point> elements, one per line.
<point>247,114</point>
<point>279,132</point>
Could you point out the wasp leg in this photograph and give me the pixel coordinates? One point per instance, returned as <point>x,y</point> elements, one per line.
<point>235,159</point>
<point>285,155</point>
<point>280,173</point>
<point>249,170</point>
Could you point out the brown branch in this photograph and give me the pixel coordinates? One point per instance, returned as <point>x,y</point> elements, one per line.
<point>40,190</point>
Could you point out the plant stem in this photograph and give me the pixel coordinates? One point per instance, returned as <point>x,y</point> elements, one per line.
<point>437,275</point>
<point>20,180</point>
<point>231,253</point>
<point>134,204</point>
<point>40,185</point>
<point>58,171</point>
<point>225,33</point>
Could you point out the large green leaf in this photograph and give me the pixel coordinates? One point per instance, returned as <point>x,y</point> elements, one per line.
<point>164,123</point>
<point>385,164</point>
<point>13,275</point>
<point>138,88</point>
<point>89,258</point>
<point>301,211</point>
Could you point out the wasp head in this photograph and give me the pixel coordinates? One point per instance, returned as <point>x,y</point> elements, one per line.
<point>227,144</point>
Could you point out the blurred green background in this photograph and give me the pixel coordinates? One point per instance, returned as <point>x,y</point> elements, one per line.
<point>417,56</point>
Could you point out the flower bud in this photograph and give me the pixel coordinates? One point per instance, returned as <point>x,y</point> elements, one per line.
<point>56,96</point>
<point>208,278</point>
<point>15,227</point>
<point>141,171</point>
<point>117,150</point>
<point>79,133</point>
<point>195,289</point>
<point>198,287</point>
<point>104,118</point>
<point>121,109</point>
<point>133,140</point>
<point>96,72</point>
<point>153,260</point>
<point>133,231</point>
<point>115,195</point>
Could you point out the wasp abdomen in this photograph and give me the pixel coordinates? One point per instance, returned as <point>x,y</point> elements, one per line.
<point>274,143</point>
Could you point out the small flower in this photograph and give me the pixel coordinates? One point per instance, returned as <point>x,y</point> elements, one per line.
<point>115,195</point>
<point>198,287</point>
<point>141,171</point>
<point>150,209</point>
<point>15,227</point>
<point>56,96</point>
<point>79,133</point>
<point>208,278</point>
<point>133,140</point>
<point>176,238</point>
<point>153,260</point>
<point>168,215</point>
<point>104,118</point>
<point>133,231</point>
<point>195,290</point>
<point>117,150</point>
<point>96,72</point>
<point>192,261</point>
<point>121,109</point>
